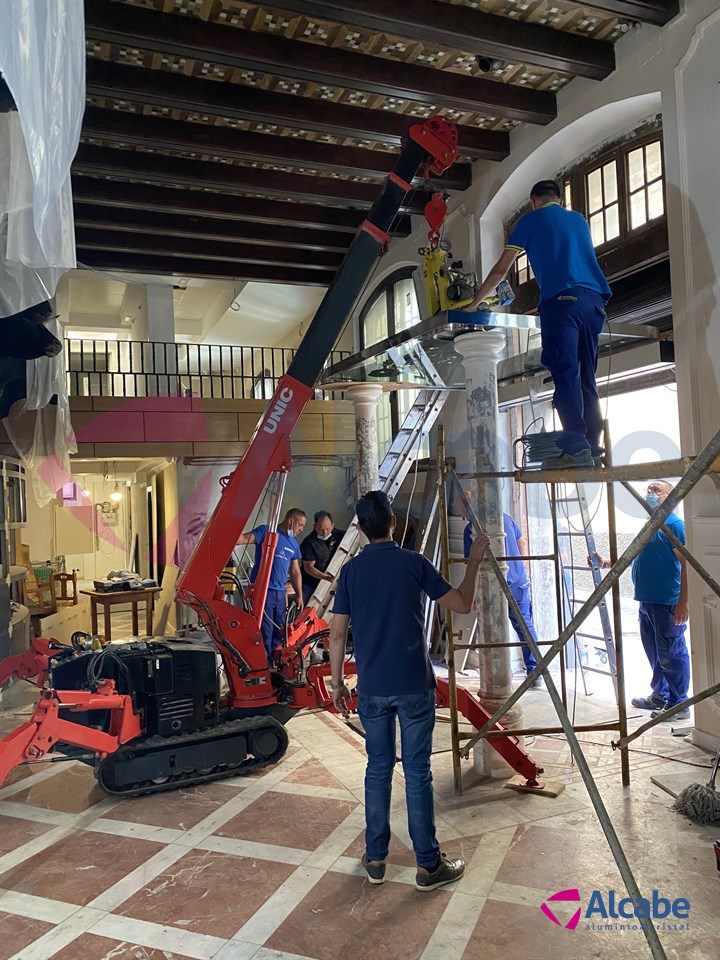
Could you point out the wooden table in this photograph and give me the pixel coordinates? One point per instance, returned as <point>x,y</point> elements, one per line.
<point>109,600</point>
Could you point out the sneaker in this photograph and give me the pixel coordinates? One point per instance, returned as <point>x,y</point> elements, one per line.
<point>569,461</point>
<point>598,462</point>
<point>447,871</point>
<point>375,869</point>
<point>683,714</point>
<point>653,702</point>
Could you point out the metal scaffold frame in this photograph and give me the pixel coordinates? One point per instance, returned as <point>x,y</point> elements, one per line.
<point>693,469</point>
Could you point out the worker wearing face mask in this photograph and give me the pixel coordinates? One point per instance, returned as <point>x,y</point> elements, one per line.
<point>286,566</point>
<point>317,550</point>
<point>659,576</point>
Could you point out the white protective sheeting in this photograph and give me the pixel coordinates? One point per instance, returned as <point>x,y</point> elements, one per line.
<point>42,59</point>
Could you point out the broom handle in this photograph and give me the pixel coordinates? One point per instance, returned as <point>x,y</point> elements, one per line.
<point>624,741</point>
<point>711,783</point>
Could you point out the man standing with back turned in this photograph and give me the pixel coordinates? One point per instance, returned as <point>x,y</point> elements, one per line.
<point>573,294</point>
<point>381,591</point>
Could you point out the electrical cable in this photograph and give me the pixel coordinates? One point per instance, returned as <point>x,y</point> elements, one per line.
<point>412,492</point>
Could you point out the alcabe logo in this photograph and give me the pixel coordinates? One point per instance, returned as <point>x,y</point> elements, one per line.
<point>573,896</point>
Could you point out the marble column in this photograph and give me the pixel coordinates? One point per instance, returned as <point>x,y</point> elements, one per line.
<point>480,352</point>
<point>365,397</point>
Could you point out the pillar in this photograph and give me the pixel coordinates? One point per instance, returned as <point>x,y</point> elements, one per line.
<point>365,397</point>
<point>480,352</point>
<point>162,369</point>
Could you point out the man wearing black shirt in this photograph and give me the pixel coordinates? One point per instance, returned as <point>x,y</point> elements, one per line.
<point>317,550</point>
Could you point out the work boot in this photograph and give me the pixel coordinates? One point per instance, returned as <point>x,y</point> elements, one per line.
<point>447,871</point>
<point>375,869</point>
<point>683,714</point>
<point>569,461</point>
<point>653,702</point>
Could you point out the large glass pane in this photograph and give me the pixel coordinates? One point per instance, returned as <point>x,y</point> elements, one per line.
<point>407,313</point>
<point>568,195</point>
<point>612,222</point>
<point>656,205</point>
<point>597,229</point>
<point>636,172</point>
<point>653,160</point>
<point>594,187</point>
<point>638,216</point>
<point>610,182</point>
<point>376,325</point>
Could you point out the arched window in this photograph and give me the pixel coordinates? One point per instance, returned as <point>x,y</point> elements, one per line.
<point>392,308</point>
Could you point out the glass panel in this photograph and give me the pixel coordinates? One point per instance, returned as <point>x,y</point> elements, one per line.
<point>656,204</point>
<point>638,216</point>
<point>407,313</point>
<point>610,181</point>
<point>568,195</point>
<point>612,222</point>
<point>594,187</point>
<point>384,425</point>
<point>653,160</point>
<point>597,229</point>
<point>376,325</point>
<point>636,172</point>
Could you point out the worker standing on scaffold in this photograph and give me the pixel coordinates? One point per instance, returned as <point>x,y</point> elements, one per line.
<point>573,294</point>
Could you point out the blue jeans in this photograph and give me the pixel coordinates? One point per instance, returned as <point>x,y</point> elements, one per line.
<point>570,326</point>
<point>273,620</point>
<point>416,713</point>
<point>666,649</point>
<point>521,592</point>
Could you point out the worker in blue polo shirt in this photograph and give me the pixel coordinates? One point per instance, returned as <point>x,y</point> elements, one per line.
<point>381,591</point>
<point>286,566</point>
<point>659,576</point>
<point>516,576</point>
<point>573,294</point>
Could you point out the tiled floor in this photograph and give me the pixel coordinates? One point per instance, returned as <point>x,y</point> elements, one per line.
<point>266,867</point>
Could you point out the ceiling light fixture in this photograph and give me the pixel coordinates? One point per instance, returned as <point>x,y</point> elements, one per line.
<point>116,496</point>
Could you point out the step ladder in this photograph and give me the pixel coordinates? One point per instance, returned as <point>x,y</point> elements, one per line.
<point>603,643</point>
<point>396,465</point>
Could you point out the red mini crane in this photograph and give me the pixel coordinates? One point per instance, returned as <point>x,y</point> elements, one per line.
<point>149,714</point>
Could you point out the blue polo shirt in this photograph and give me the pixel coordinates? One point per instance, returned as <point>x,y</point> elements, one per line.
<point>381,590</point>
<point>560,250</point>
<point>656,569</point>
<point>517,574</point>
<point>286,551</point>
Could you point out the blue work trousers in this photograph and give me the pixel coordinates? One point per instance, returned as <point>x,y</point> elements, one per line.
<point>521,592</point>
<point>666,649</point>
<point>416,713</point>
<point>570,327</point>
<point>273,621</point>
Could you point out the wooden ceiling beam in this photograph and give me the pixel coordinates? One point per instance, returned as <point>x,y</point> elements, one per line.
<point>231,178</point>
<point>152,223</point>
<point>181,267</point>
<point>455,27</point>
<point>250,50</point>
<point>98,238</point>
<point>162,88</point>
<point>658,12</point>
<point>112,194</point>
<point>139,130</point>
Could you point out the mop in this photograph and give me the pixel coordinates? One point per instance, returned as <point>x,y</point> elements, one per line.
<point>701,802</point>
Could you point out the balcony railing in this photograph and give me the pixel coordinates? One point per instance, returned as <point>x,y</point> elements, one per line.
<point>135,368</point>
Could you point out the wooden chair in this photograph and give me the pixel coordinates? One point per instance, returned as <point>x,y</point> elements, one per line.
<point>39,596</point>
<point>65,588</point>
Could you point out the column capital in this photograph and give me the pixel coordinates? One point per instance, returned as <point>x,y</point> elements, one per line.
<point>363,392</point>
<point>480,344</point>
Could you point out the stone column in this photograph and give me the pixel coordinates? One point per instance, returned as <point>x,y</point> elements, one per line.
<point>365,397</point>
<point>161,336</point>
<point>480,352</point>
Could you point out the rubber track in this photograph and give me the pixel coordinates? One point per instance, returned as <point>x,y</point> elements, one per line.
<point>160,744</point>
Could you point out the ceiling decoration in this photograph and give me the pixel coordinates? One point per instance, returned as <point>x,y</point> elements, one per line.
<point>232,139</point>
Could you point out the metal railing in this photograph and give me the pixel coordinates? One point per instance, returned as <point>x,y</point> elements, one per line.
<point>135,368</point>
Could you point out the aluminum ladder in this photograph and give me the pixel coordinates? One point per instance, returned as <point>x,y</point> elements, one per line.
<point>396,465</point>
<point>604,642</point>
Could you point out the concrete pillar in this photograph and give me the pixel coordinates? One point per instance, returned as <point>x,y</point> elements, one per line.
<point>480,352</point>
<point>161,336</point>
<point>365,397</point>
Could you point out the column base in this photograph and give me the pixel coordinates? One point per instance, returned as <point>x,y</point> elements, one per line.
<point>487,762</point>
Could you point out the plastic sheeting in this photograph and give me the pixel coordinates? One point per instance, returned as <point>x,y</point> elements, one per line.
<point>41,432</point>
<point>42,59</point>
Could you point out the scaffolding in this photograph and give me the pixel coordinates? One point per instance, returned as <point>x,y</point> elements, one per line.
<point>693,469</point>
